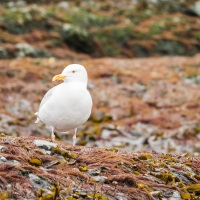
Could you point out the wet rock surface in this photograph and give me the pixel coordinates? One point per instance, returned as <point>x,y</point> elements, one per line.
<point>95,173</point>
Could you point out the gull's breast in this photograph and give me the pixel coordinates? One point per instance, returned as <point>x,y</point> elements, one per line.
<point>68,108</point>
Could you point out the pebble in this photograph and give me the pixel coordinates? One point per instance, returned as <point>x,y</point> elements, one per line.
<point>46,145</point>
<point>2,159</point>
<point>3,148</point>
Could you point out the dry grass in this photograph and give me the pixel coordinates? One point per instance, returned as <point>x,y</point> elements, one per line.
<point>93,173</point>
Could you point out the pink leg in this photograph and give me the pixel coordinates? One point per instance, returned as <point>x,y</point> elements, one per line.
<point>52,134</point>
<point>74,137</point>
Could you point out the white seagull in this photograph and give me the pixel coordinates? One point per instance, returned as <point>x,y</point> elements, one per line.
<point>67,105</point>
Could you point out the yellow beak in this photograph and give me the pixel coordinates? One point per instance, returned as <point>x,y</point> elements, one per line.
<point>59,77</point>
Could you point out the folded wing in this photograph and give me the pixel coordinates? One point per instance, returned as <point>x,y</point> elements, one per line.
<point>46,97</point>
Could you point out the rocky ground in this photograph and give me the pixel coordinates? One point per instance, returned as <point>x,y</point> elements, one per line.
<point>139,104</point>
<point>142,140</point>
<point>38,169</point>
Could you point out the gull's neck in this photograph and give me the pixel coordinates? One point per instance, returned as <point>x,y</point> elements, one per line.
<point>76,82</point>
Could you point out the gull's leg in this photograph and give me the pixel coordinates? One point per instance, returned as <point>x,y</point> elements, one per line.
<point>52,134</point>
<point>74,137</point>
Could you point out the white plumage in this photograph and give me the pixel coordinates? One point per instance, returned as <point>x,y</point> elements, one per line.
<point>67,105</point>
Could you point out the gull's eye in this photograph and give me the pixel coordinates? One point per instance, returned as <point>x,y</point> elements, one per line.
<point>73,71</point>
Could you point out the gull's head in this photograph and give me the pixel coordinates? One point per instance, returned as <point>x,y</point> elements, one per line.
<point>73,72</point>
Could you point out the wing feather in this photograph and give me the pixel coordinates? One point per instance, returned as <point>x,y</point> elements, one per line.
<point>46,97</point>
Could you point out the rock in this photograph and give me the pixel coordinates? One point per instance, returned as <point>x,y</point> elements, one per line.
<point>7,124</point>
<point>15,162</point>
<point>25,49</point>
<point>94,172</point>
<point>3,53</point>
<point>18,4</point>
<point>63,5</point>
<point>120,196</point>
<point>167,47</point>
<point>38,182</point>
<point>12,162</point>
<point>100,179</point>
<point>2,148</point>
<point>193,80</point>
<point>196,8</point>
<point>20,107</point>
<point>166,95</point>
<point>46,145</point>
<point>3,159</point>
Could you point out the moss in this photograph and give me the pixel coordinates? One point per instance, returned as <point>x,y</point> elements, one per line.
<point>145,156</point>
<point>166,177</point>
<point>112,40</point>
<point>22,20</point>
<point>113,150</point>
<point>56,190</point>
<point>121,35</point>
<point>180,184</point>
<point>35,162</point>
<point>188,164</point>
<point>67,154</point>
<point>156,28</point>
<point>5,195</point>
<point>71,198</point>
<point>197,35</point>
<point>140,50</point>
<point>136,16</point>
<point>167,47</point>
<point>77,38</point>
<point>99,117</point>
<point>108,33</point>
<point>43,195</point>
<point>97,196</point>
<point>185,196</point>
<point>27,50</point>
<point>83,168</point>
<point>106,46</point>
<point>193,188</point>
<point>136,172</point>
<point>85,20</point>
<point>197,129</point>
<point>47,197</point>
<point>197,176</point>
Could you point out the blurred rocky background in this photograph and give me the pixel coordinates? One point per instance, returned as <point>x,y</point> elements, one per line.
<point>99,28</point>
<point>139,103</point>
